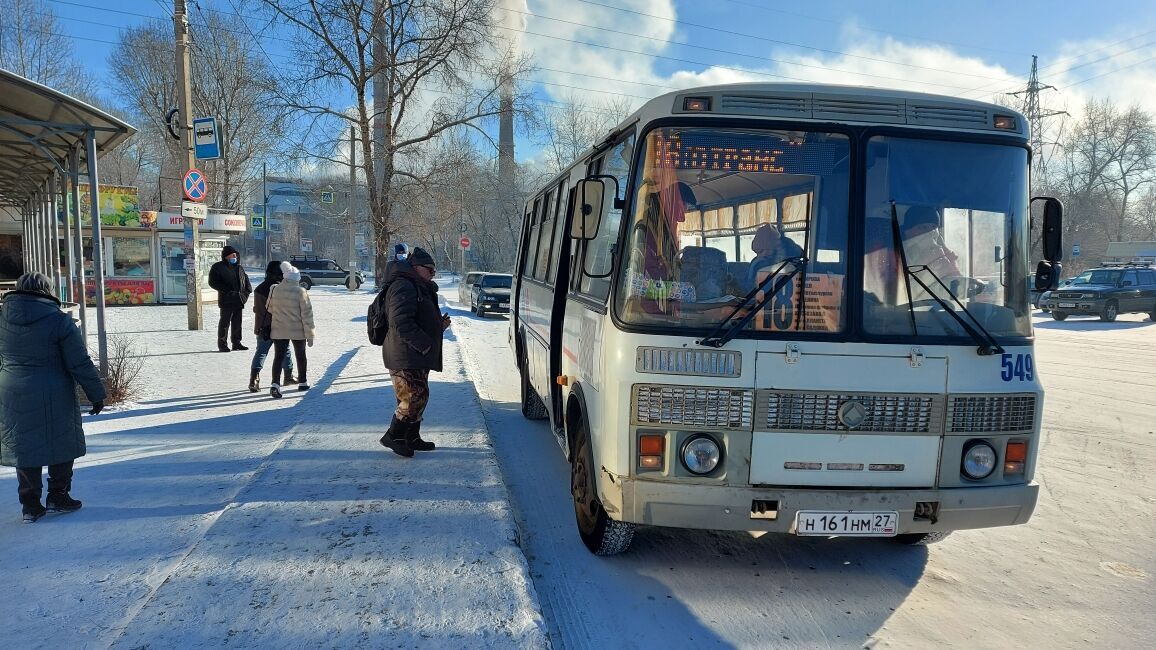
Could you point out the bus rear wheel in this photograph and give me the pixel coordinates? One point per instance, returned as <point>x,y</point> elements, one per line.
<point>601,534</point>
<point>532,406</point>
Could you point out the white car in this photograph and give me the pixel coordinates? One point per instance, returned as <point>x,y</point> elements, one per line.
<point>466,287</point>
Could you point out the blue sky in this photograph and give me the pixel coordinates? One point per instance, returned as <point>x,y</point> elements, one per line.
<point>600,50</point>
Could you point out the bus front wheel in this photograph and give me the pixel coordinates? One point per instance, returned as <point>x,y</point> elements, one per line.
<point>601,534</point>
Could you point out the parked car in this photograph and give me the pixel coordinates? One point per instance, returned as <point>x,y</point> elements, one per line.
<point>1106,291</point>
<point>466,287</point>
<point>491,294</point>
<point>319,270</point>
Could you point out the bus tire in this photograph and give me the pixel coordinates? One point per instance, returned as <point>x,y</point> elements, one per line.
<point>601,534</point>
<point>532,406</point>
<point>921,539</point>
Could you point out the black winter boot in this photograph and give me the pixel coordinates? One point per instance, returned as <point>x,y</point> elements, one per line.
<point>289,379</point>
<point>415,441</point>
<point>61,502</point>
<point>395,438</point>
<point>32,512</point>
<point>254,381</point>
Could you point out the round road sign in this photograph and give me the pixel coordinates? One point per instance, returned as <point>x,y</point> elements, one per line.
<point>195,186</point>
<point>465,243</point>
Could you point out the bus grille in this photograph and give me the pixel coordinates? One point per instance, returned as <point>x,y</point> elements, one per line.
<point>693,406</point>
<point>884,413</point>
<point>991,413</point>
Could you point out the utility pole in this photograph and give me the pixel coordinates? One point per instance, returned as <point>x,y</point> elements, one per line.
<point>353,259</point>
<point>265,209</point>
<point>1032,111</point>
<point>188,161</point>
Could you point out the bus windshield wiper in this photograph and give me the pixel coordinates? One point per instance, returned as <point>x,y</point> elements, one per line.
<point>715,340</point>
<point>987,343</point>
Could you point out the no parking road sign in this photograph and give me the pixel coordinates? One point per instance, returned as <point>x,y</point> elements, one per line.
<point>195,186</point>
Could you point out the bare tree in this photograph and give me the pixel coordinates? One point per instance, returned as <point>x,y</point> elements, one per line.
<point>573,126</point>
<point>413,70</point>
<point>34,46</point>
<point>1109,156</point>
<point>231,81</point>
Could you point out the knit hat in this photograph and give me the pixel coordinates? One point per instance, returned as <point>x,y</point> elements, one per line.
<point>400,251</point>
<point>273,270</point>
<point>227,251</point>
<point>418,257</point>
<point>290,272</point>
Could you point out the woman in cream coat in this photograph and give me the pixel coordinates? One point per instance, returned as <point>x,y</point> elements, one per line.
<point>292,317</point>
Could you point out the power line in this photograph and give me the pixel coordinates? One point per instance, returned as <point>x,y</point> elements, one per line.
<point>869,29</point>
<point>729,52</point>
<point>776,41</point>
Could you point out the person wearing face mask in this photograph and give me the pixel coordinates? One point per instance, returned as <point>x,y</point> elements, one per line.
<point>228,277</point>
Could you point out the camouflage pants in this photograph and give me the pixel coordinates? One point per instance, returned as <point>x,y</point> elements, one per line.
<point>411,387</point>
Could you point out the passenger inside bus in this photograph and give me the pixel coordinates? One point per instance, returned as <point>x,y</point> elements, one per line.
<point>771,250</point>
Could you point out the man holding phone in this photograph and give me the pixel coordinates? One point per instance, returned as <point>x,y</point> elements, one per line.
<point>412,347</point>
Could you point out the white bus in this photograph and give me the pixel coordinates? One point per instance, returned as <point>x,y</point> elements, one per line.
<point>790,308</point>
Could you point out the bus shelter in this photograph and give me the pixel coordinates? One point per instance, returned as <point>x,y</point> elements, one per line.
<point>48,143</point>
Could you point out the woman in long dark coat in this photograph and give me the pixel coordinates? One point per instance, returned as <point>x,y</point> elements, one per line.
<point>42,359</point>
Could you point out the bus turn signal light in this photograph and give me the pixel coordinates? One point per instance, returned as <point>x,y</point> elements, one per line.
<point>650,451</point>
<point>1015,457</point>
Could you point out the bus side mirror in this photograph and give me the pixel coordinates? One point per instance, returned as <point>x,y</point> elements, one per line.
<point>1048,275</point>
<point>1053,230</point>
<point>590,206</point>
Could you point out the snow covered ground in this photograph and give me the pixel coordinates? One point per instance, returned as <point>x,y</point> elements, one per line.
<point>214,517</point>
<point>1081,573</point>
<point>218,518</point>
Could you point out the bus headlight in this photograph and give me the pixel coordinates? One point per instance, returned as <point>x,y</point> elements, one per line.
<point>701,454</point>
<point>978,460</point>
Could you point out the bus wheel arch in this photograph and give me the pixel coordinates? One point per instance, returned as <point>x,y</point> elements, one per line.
<point>601,534</point>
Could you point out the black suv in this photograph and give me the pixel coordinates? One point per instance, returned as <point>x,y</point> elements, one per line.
<point>1107,291</point>
<point>319,270</point>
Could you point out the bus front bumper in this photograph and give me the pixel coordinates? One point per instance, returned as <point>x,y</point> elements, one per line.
<point>733,508</point>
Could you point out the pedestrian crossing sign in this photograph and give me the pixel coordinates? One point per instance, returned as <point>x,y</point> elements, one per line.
<point>258,222</point>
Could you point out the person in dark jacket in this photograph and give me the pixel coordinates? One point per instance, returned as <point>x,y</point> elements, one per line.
<point>262,327</point>
<point>228,277</point>
<point>412,348</point>
<point>42,359</point>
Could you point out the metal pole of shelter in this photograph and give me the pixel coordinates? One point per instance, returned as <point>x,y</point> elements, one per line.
<point>97,252</point>
<point>35,216</point>
<point>26,240</point>
<point>79,288</point>
<point>54,221</point>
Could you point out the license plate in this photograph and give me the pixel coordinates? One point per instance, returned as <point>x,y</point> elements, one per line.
<point>844,523</point>
<point>1067,304</point>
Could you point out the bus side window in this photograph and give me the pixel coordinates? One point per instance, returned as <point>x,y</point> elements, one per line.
<point>532,241</point>
<point>556,246</point>
<point>598,253</point>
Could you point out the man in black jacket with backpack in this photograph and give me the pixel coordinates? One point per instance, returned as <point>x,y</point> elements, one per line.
<point>412,346</point>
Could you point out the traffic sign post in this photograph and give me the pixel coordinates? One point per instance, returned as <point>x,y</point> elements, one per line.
<point>465,245</point>
<point>1075,250</point>
<point>206,141</point>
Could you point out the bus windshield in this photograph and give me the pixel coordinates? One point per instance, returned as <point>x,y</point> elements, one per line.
<point>717,211</point>
<point>956,213</point>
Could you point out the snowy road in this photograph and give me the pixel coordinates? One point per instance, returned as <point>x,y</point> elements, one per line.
<point>1080,574</point>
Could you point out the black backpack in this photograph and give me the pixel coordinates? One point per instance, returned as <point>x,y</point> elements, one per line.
<point>377,319</point>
